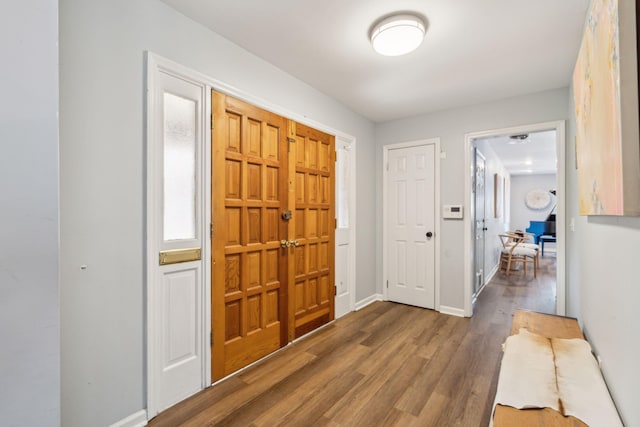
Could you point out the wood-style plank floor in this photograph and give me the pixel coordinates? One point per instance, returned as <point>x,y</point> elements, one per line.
<point>385,365</point>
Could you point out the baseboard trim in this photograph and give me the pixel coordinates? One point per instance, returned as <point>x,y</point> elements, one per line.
<point>139,419</point>
<point>452,311</point>
<point>367,301</point>
<point>493,272</point>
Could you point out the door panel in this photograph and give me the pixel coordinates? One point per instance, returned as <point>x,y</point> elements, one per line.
<point>180,339</point>
<point>344,227</point>
<point>249,190</point>
<point>312,273</point>
<point>411,207</point>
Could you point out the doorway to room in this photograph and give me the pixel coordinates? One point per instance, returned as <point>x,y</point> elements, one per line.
<point>524,190</point>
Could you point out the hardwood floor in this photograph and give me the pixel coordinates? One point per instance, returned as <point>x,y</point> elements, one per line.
<point>387,364</point>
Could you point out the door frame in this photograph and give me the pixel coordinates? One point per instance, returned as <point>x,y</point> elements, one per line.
<point>155,64</point>
<point>437,215</point>
<point>559,127</point>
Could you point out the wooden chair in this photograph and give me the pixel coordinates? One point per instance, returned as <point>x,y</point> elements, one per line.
<point>514,250</point>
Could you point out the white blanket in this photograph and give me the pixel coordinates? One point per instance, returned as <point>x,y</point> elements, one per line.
<point>560,374</point>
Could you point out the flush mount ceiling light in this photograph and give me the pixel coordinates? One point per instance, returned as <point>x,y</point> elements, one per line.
<point>397,35</point>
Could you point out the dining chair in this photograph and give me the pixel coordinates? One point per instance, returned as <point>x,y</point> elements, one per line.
<point>515,249</point>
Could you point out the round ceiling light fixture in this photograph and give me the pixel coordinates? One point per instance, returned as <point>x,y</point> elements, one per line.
<point>398,34</point>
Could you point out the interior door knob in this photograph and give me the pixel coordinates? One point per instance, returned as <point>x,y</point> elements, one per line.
<point>429,234</point>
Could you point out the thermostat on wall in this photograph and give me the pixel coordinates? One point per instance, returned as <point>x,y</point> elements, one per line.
<point>452,211</point>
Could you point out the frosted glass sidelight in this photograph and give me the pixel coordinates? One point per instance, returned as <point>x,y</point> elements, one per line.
<point>179,168</point>
<point>342,177</point>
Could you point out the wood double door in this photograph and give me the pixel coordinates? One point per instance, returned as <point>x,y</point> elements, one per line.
<point>272,232</point>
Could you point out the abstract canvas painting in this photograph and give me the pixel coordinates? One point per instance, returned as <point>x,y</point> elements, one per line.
<point>605,85</point>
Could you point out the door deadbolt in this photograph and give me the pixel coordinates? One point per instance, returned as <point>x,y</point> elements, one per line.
<point>286,215</point>
<point>288,243</point>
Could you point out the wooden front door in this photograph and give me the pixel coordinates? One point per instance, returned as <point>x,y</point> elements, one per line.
<point>312,272</point>
<point>249,267</point>
<point>272,273</point>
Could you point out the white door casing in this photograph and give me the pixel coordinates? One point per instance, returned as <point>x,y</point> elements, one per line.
<point>345,226</point>
<point>559,127</point>
<point>411,223</point>
<point>176,227</point>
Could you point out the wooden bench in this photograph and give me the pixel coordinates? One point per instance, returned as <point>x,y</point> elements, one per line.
<point>550,326</point>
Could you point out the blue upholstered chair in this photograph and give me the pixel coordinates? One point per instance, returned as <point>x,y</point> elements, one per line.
<point>536,228</point>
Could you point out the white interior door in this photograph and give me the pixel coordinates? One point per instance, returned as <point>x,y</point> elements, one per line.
<point>480,221</point>
<point>345,227</point>
<point>410,225</point>
<point>175,267</point>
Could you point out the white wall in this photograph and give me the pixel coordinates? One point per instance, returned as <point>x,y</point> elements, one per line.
<point>604,289</point>
<point>495,226</point>
<point>102,179</point>
<point>520,186</point>
<point>29,303</point>
<point>451,126</point>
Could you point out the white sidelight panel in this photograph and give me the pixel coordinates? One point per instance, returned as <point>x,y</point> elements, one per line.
<point>177,237</point>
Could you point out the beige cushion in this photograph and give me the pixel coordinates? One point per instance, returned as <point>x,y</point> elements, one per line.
<point>518,251</point>
<point>525,245</point>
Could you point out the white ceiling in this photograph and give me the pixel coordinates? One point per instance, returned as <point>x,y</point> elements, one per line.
<point>474,51</point>
<point>534,155</point>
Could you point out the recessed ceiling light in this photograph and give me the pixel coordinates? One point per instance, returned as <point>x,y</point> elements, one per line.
<point>398,35</point>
